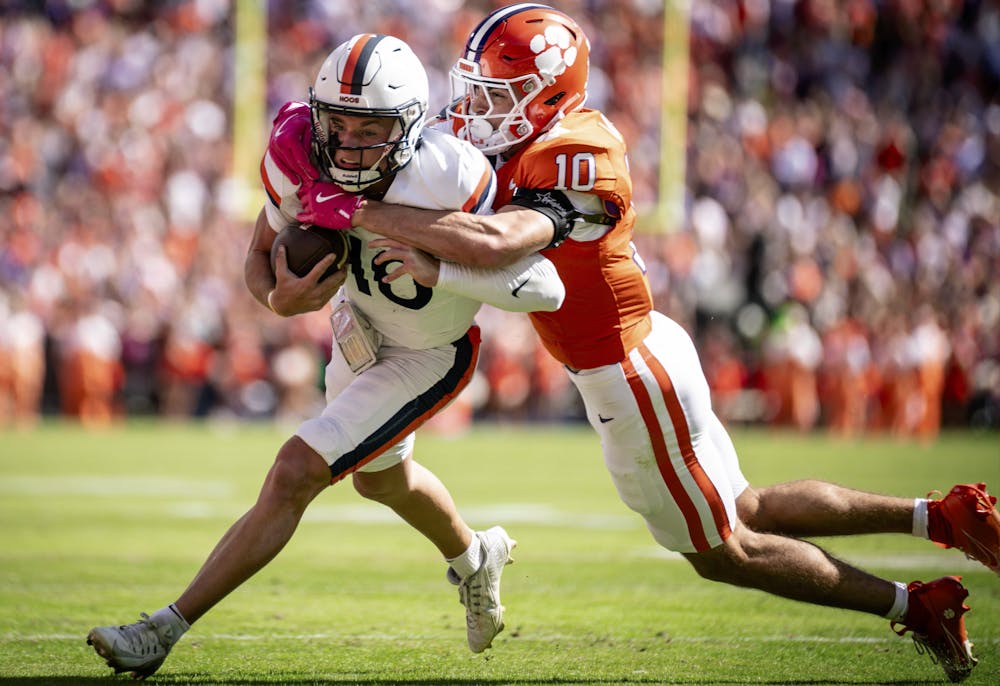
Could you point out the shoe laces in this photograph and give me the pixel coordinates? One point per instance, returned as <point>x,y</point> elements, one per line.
<point>946,650</point>
<point>954,657</point>
<point>144,637</point>
<point>923,647</point>
<point>470,592</point>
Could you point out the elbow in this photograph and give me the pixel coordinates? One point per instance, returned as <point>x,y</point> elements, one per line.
<point>551,300</point>
<point>554,291</point>
<point>554,303</point>
<point>558,302</point>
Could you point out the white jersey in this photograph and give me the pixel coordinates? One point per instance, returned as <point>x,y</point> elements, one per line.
<point>444,174</point>
<point>428,344</point>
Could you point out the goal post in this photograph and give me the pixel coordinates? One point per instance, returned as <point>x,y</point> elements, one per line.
<point>668,214</point>
<point>249,103</point>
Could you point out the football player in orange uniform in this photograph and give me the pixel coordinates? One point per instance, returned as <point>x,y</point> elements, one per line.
<point>564,190</point>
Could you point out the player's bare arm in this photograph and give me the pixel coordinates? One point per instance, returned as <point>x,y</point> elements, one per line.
<point>485,241</point>
<point>279,289</point>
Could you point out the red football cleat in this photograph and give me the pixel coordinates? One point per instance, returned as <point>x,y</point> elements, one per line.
<point>967,519</point>
<point>935,616</point>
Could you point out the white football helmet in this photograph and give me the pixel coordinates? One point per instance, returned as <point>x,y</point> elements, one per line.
<point>370,75</point>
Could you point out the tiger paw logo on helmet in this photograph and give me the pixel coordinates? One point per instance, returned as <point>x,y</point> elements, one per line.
<point>553,52</point>
<point>539,55</point>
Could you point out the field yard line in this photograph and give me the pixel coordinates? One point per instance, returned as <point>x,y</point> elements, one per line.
<point>114,486</point>
<point>198,499</point>
<point>508,513</point>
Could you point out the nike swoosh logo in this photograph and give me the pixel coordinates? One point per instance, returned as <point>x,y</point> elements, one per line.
<point>604,420</point>
<point>519,287</point>
<point>281,127</point>
<point>323,198</point>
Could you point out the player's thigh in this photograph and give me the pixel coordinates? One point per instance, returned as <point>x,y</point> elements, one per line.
<point>689,401</point>
<point>653,414</point>
<point>369,423</point>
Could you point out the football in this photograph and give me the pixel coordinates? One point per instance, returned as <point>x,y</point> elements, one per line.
<point>306,245</point>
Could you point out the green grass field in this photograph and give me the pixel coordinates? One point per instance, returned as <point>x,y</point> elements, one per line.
<point>96,527</point>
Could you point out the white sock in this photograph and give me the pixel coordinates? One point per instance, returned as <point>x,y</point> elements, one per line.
<point>920,518</point>
<point>900,605</point>
<point>172,617</point>
<point>469,561</point>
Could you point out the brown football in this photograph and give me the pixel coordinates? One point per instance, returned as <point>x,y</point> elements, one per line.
<point>306,245</point>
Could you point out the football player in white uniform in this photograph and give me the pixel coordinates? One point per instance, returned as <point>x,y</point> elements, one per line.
<point>403,347</point>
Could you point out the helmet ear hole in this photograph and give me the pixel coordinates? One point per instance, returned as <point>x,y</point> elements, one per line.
<point>554,100</point>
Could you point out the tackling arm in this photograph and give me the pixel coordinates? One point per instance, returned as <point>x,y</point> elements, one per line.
<point>483,241</point>
<point>531,284</point>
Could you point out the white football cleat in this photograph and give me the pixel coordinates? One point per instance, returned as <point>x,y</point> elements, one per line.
<point>480,591</point>
<point>139,648</point>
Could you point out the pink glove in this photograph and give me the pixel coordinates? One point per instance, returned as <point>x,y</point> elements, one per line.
<point>291,141</point>
<point>327,205</point>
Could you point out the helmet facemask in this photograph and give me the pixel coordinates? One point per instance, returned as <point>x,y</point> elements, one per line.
<point>493,131</point>
<point>397,150</point>
<point>369,76</point>
<point>538,56</point>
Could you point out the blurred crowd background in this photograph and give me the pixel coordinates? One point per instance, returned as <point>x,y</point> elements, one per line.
<point>838,262</point>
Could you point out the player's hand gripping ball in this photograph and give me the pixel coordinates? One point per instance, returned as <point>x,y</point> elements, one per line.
<point>306,245</point>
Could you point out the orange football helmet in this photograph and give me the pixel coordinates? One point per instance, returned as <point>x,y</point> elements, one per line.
<point>525,66</point>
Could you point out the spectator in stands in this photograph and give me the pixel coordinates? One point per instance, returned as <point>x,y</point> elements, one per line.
<point>853,157</point>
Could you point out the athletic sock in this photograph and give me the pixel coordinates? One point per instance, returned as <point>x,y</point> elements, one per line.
<point>900,605</point>
<point>172,617</point>
<point>468,562</point>
<point>920,518</point>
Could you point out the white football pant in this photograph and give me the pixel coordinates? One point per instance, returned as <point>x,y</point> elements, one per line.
<point>669,456</point>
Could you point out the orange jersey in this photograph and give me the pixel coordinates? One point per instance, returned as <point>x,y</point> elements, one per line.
<point>605,313</point>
